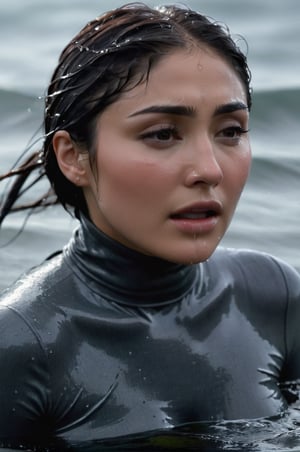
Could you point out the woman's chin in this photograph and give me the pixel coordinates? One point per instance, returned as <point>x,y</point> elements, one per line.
<point>190,258</point>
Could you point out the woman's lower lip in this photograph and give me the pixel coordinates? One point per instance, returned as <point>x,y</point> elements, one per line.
<point>195,225</point>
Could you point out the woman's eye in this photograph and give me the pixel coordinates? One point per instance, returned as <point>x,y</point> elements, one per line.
<point>232,134</point>
<point>161,137</point>
<point>164,134</point>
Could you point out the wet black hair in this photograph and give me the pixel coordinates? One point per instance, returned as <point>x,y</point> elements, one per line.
<point>111,54</point>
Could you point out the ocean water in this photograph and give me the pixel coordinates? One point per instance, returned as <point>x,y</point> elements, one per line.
<point>32,34</point>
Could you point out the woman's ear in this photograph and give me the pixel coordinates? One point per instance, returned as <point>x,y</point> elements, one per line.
<point>70,160</point>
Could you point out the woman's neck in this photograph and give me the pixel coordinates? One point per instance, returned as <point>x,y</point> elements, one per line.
<point>124,275</point>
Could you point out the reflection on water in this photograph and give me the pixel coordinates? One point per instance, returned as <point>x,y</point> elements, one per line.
<point>280,434</point>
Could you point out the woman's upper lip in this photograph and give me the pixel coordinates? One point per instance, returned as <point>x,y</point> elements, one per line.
<point>210,206</point>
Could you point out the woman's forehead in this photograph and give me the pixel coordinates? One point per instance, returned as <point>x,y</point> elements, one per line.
<point>187,75</point>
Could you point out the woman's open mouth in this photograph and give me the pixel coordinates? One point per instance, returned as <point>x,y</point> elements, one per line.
<point>197,218</point>
<point>194,215</point>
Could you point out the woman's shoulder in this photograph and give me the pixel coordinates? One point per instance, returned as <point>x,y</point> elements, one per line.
<point>258,270</point>
<point>34,301</point>
<point>36,285</point>
<point>253,259</point>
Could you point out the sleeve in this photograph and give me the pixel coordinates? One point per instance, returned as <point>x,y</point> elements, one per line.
<point>23,379</point>
<point>292,324</point>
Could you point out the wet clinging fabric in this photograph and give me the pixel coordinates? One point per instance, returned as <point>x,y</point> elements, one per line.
<point>101,341</point>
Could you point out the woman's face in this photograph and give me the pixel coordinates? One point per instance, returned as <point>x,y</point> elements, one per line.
<point>172,158</point>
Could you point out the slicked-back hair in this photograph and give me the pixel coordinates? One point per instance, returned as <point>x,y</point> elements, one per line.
<point>110,55</point>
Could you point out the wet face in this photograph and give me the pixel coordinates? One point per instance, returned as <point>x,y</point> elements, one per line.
<point>173,155</point>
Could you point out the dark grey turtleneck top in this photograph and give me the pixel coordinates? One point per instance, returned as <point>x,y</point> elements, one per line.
<point>102,342</point>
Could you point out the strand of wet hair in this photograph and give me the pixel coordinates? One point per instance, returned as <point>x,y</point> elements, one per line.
<point>17,189</point>
<point>33,161</point>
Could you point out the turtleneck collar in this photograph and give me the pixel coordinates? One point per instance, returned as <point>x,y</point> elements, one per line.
<point>124,275</point>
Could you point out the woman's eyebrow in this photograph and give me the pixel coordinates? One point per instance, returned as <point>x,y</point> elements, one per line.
<point>230,108</point>
<point>183,110</point>
<point>180,110</point>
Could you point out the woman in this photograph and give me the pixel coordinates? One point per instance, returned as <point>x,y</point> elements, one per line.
<point>142,323</point>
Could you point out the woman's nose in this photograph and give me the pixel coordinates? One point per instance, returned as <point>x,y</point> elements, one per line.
<point>203,167</point>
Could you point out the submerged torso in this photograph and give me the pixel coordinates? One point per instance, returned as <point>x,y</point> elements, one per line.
<point>93,350</point>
